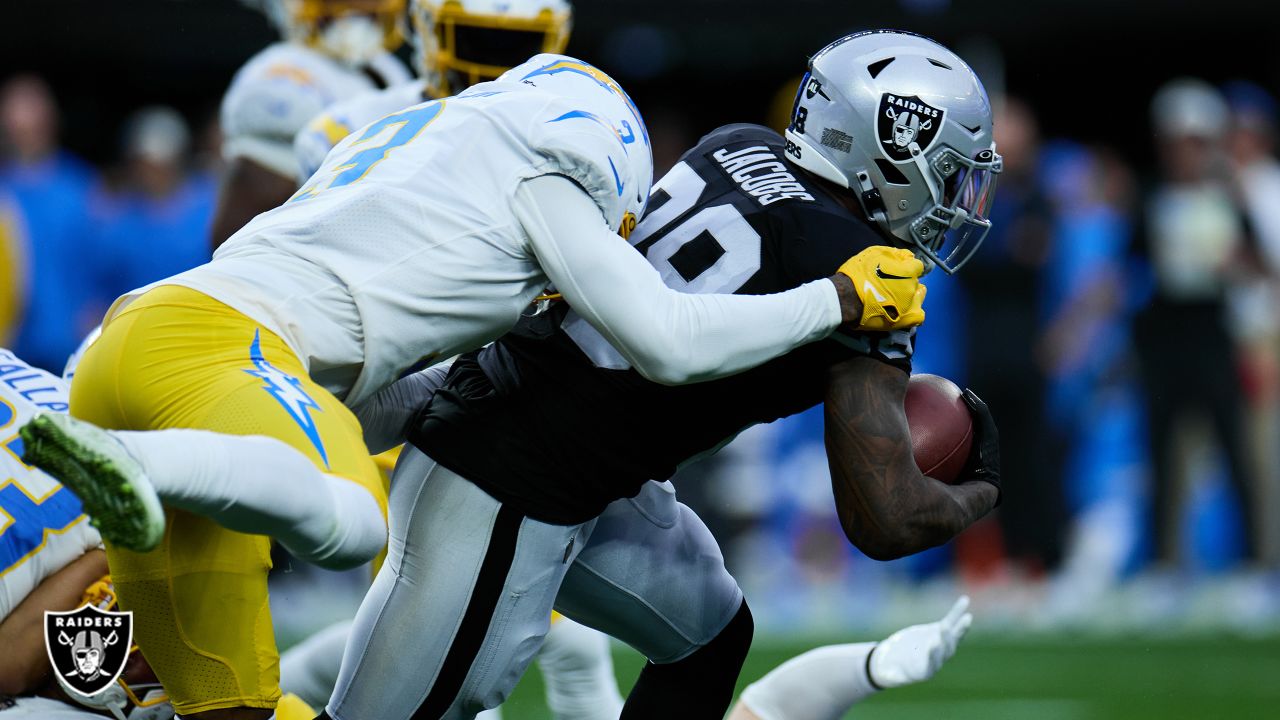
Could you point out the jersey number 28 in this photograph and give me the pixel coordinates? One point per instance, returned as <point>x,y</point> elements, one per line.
<point>715,250</point>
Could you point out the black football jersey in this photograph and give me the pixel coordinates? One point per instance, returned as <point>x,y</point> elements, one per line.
<point>552,419</point>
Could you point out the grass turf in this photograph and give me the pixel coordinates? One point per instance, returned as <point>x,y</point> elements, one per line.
<point>1044,679</point>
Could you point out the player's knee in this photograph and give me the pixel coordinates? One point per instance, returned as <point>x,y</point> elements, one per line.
<point>729,648</point>
<point>737,635</point>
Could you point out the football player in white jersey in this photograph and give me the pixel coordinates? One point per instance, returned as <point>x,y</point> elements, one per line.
<point>330,50</point>
<point>424,234</point>
<point>51,558</point>
<point>458,43</point>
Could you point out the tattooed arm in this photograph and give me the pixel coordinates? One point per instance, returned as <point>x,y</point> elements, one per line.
<point>887,507</point>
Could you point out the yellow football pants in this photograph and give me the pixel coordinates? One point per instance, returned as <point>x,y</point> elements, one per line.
<point>176,358</point>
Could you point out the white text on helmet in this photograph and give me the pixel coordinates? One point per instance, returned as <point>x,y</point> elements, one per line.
<point>913,106</point>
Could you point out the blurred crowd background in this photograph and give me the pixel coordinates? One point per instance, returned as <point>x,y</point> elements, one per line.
<point>1122,319</point>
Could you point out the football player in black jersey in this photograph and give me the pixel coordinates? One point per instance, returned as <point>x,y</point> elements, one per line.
<point>530,483</point>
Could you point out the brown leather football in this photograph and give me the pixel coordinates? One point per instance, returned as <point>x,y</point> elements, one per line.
<point>941,427</point>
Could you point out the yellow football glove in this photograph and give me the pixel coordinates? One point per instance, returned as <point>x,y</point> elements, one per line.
<point>888,281</point>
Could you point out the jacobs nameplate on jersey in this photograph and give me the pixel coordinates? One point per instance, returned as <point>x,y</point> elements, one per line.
<point>761,174</point>
<point>88,647</point>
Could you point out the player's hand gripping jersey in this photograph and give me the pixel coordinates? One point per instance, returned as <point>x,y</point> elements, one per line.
<point>280,89</point>
<point>420,238</point>
<point>552,421</point>
<point>423,235</point>
<point>404,246</point>
<point>42,527</point>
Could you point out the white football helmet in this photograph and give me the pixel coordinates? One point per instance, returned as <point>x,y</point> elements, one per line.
<point>463,42</point>
<point>905,124</point>
<point>354,31</point>
<point>602,100</point>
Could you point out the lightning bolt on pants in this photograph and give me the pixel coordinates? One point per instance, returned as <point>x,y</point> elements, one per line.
<point>241,446</point>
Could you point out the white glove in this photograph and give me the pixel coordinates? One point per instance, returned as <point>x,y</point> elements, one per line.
<point>914,654</point>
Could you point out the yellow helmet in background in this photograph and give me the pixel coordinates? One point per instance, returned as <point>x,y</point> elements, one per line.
<point>463,42</point>
<point>354,31</point>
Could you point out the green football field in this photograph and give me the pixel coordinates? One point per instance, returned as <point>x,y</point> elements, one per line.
<point>1046,679</point>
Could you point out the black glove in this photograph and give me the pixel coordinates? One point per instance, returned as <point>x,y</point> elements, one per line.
<point>984,454</point>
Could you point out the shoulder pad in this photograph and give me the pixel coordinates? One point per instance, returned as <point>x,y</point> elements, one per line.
<point>589,150</point>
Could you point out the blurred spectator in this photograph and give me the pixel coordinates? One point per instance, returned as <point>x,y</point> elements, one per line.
<point>208,146</point>
<point>1192,233</point>
<point>13,268</point>
<point>1256,298</point>
<point>1002,284</point>
<point>1091,411</point>
<point>160,219</point>
<point>1085,335</point>
<point>51,188</point>
<point>1251,144</point>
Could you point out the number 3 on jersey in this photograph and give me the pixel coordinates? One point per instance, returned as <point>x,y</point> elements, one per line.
<point>27,518</point>
<point>408,124</point>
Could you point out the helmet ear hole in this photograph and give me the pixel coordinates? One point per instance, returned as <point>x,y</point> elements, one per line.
<point>891,173</point>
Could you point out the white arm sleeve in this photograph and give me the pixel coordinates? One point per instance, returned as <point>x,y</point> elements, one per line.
<point>668,336</point>
<point>821,684</point>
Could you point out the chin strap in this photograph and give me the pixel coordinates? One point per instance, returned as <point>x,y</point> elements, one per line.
<point>101,594</point>
<point>872,203</point>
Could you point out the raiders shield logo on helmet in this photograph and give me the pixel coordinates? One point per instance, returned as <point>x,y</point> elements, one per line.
<point>904,121</point>
<point>88,647</point>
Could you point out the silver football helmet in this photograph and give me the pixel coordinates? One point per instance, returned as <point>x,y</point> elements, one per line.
<point>905,124</point>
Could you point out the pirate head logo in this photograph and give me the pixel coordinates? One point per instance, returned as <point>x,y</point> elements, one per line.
<point>88,647</point>
<point>906,121</point>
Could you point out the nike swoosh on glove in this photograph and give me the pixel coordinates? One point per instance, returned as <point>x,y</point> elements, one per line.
<point>887,280</point>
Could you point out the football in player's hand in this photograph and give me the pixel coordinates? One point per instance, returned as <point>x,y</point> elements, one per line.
<point>941,427</point>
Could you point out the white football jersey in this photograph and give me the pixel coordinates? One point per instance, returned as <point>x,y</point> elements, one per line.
<point>278,90</point>
<point>403,248</point>
<point>42,526</point>
<point>337,121</point>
